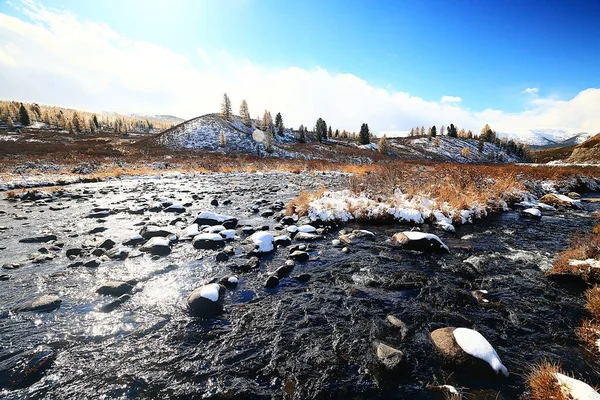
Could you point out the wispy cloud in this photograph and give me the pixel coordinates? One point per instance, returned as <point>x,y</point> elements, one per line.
<point>531,90</point>
<point>63,59</point>
<point>450,99</point>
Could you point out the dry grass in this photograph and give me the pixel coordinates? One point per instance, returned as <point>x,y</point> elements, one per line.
<point>589,335</point>
<point>299,205</point>
<point>583,247</point>
<point>541,383</point>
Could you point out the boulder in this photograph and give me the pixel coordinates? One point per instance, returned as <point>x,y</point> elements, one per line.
<point>95,263</point>
<point>419,241</point>
<point>229,281</point>
<point>210,218</point>
<point>44,303</point>
<point>398,325</point>
<point>120,253</point>
<point>282,240</point>
<point>560,200</point>
<point>73,252</point>
<point>390,357</point>
<point>463,346</point>
<point>357,236</point>
<point>151,231</point>
<point>272,282</point>
<point>208,241</point>
<point>159,246</point>
<point>263,242</point>
<point>532,213</point>
<point>32,367</point>
<point>175,208</point>
<point>107,244</point>
<point>115,288</point>
<point>307,237</point>
<point>206,301</point>
<point>299,255</point>
<point>114,304</point>
<point>133,240</point>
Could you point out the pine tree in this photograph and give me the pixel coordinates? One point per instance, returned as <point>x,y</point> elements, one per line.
<point>279,124</point>
<point>330,133</point>
<point>245,113</point>
<point>422,130</point>
<point>95,121</point>
<point>24,115</point>
<point>433,131</point>
<point>442,130</point>
<point>301,135</point>
<point>480,144</point>
<point>452,132</point>
<point>412,132</point>
<point>226,107</point>
<point>382,145</point>
<point>321,130</point>
<point>365,137</point>
<point>337,133</point>
<point>222,139</point>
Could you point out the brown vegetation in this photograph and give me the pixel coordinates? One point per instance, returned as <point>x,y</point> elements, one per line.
<point>542,384</point>
<point>571,261</point>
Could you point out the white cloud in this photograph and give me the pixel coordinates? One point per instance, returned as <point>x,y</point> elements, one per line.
<point>65,60</point>
<point>450,99</point>
<point>203,55</point>
<point>531,90</point>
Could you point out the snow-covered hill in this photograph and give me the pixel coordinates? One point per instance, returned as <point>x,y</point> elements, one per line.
<point>450,149</point>
<point>547,138</point>
<point>204,132</point>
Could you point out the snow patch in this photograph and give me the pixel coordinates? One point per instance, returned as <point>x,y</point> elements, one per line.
<point>210,292</point>
<point>264,241</point>
<point>473,343</point>
<point>577,389</point>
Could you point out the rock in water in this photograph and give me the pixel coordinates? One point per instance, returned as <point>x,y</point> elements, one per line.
<point>555,199</point>
<point>210,218</point>
<point>208,241</point>
<point>357,236</point>
<point>263,242</point>
<point>151,231</point>
<point>115,288</point>
<point>390,357</point>
<point>532,213</point>
<point>419,241</point>
<point>32,368</point>
<point>206,301</point>
<point>299,255</point>
<point>157,246</point>
<point>229,281</point>
<point>39,239</point>
<point>44,303</point>
<point>307,237</point>
<point>462,346</point>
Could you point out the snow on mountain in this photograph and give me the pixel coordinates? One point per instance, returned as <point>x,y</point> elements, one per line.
<point>204,132</point>
<point>450,149</point>
<point>548,137</point>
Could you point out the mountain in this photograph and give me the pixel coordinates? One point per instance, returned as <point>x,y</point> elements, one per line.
<point>548,138</point>
<point>587,152</point>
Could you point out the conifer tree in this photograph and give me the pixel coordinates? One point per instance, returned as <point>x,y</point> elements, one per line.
<point>279,124</point>
<point>337,133</point>
<point>433,131</point>
<point>24,115</point>
<point>480,144</point>
<point>452,132</point>
<point>412,132</point>
<point>95,121</point>
<point>365,137</point>
<point>330,133</point>
<point>245,113</point>
<point>301,135</point>
<point>226,107</point>
<point>321,130</point>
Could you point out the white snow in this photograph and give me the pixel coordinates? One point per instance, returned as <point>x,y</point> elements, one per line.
<point>590,262</point>
<point>263,240</point>
<point>473,343</point>
<point>233,279</point>
<point>533,211</point>
<point>292,229</point>
<point>411,235</point>
<point>210,292</point>
<point>157,242</point>
<point>136,237</point>
<point>192,230</point>
<point>451,389</point>
<point>209,236</point>
<point>307,229</point>
<point>214,229</point>
<point>228,234</point>
<point>575,388</point>
<point>214,216</point>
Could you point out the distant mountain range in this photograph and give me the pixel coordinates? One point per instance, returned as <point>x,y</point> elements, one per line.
<point>540,139</point>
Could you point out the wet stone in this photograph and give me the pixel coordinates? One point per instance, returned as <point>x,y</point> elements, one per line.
<point>44,303</point>
<point>115,288</point>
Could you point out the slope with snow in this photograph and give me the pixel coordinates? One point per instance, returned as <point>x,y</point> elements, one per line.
<point>204,132</point>
<point>548,138</point>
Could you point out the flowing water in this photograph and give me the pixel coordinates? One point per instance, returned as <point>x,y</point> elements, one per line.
<point>307,338</point>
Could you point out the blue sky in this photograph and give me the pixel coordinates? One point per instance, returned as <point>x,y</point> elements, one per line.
<point>485,52</point>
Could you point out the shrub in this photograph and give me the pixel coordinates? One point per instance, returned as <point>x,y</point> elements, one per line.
<point>542,384</point>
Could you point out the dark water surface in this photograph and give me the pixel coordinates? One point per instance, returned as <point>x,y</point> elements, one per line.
<point>301,340</point>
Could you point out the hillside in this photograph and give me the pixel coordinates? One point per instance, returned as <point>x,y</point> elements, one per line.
<point>587,152</point>
<point>449,149</point>
<point>203,133</point>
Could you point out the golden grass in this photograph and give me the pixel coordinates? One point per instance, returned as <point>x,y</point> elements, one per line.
<point>589,335</point>
<point>583,247</point>
<point>541,383</point>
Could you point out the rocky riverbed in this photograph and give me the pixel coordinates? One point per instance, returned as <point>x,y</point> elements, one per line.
<point>96,279</point>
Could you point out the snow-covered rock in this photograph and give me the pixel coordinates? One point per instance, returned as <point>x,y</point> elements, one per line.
<point>474,344</point>
<point>533,213</point>
<point>206,301</point>
<point>208,241</point>
<point>420,241</point>
<point>157,246</point>
<point>575,389</point>
<point>210,218</point>
<point>263,241</point>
